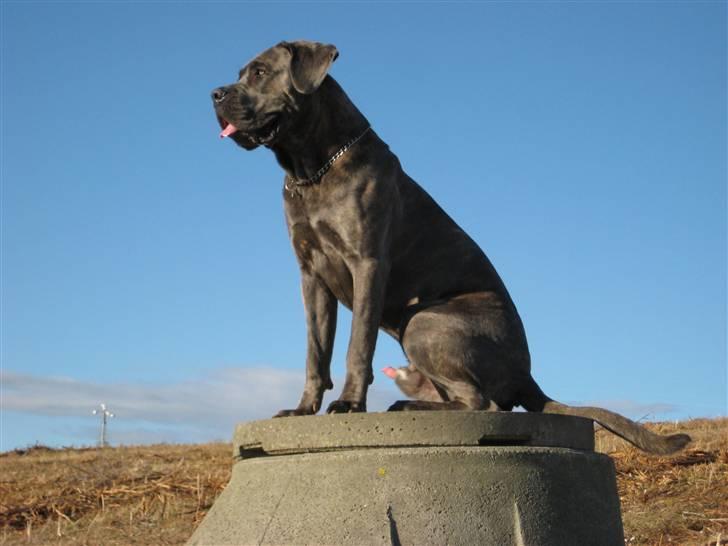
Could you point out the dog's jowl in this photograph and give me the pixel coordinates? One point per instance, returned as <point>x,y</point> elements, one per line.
<point>369,236</point>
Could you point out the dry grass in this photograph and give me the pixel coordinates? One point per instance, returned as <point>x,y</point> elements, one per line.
<point>158,494</point>
<point>681,499</point>
<point>129,495</point>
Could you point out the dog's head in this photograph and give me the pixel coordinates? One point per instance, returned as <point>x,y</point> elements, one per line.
<point>263,103</point>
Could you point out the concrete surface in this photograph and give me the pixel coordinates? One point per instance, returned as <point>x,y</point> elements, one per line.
<point>417,478</point>
<point>414,428</point>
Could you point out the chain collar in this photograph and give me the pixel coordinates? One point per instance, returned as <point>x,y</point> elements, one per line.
<point>292,183</point>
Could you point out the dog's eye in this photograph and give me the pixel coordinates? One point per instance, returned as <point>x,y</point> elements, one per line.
<point>259,72</point>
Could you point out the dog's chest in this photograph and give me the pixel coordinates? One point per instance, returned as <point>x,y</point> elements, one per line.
<point>320,248</point>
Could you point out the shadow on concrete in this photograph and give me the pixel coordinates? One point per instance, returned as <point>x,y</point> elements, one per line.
<point>393,534</point>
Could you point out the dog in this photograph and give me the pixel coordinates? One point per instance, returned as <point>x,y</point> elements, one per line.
<point>367,235</point>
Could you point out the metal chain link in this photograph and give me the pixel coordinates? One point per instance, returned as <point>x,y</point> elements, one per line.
<point>323,170</point>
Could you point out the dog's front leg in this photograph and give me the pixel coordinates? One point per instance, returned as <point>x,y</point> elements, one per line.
<point>320,306</point>
<point>369,277</point>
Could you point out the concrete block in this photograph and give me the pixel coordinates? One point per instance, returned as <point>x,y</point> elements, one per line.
<point>417,478</point>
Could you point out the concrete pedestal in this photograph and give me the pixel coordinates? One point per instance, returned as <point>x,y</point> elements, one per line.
<point>417,478</point>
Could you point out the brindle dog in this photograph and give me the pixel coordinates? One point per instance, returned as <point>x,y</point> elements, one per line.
<point>369,236</point>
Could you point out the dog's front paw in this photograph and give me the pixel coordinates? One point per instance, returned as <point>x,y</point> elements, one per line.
<point>294,412</point>
<point>345,406</point>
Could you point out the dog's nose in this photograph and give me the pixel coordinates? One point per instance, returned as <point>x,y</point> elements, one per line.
<point>219,94</point>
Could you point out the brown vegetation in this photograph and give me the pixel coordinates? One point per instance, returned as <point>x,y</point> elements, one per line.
<point>681,499</point>
<point>158,494</point>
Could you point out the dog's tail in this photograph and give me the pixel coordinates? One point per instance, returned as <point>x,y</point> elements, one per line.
<point>535,400</point>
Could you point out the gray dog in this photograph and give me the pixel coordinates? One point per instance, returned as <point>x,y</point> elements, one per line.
<point>369,236</point>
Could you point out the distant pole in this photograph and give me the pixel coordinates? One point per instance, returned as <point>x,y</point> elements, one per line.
<point>105,415</point>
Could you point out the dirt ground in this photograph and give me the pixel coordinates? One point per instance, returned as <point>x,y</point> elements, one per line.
<point>157,495</point>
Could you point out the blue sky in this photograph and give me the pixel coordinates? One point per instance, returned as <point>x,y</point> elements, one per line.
<point>145,263</point>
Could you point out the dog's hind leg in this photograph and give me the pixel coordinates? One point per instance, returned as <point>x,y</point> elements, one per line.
<point>471,348</point>
<point>414,384</point>
<point>426,405</point>
<point>428,395</point>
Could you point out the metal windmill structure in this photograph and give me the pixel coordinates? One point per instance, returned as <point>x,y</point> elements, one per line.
<point>105,416</point>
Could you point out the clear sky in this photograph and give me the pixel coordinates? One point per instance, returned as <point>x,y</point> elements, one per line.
<point>145,262</point>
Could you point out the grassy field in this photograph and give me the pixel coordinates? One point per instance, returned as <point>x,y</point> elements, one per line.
<point>158,494</point>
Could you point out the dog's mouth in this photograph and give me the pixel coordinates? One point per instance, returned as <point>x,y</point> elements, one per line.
<point>262,134</point>
<point>227,127</point>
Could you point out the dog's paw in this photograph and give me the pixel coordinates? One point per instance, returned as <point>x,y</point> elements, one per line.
<point>399,405</point>
<point>414,405</point>
<point>294,412</point>
<point>345,406</point>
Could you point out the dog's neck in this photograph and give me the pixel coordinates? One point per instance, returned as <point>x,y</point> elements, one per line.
<point>327,121</point>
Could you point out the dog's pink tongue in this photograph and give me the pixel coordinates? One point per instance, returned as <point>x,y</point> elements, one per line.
<point>390,372</point>
<point>228,130</point>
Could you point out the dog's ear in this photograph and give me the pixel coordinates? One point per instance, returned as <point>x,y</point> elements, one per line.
<point>310,61</point>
